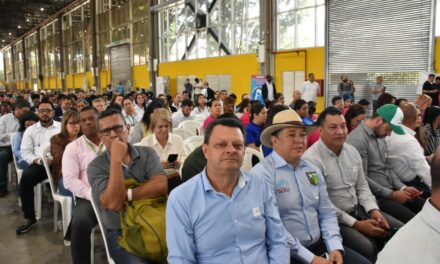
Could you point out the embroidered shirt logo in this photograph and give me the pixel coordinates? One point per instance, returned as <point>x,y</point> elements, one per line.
<point>281,186</point>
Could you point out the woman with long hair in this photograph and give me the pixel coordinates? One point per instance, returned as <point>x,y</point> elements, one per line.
<point>201,109</point>
<point>142,129</point>
<point>70,130</point>
<point>432,129</point>
<point>354,116</point>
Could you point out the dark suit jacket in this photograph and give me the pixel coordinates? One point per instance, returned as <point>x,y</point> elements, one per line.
<point>265,91</point>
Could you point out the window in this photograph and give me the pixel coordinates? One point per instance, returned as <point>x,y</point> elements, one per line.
<point>141,28</point>
<point>207,28</point>
<point>300,23</point>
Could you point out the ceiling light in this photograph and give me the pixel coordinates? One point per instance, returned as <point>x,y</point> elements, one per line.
<point>3,40</point>
<point>42,9</point>
<point>18,26</point>
<point>10,34</point>
<point>27,20</point>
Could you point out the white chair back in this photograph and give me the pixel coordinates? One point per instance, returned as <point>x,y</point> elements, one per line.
<point>191,125</point>
<point>249,153</point>
<point>46,151</point>
<point>191,143</point>
<point>103,230</point>
<point>183,132</point>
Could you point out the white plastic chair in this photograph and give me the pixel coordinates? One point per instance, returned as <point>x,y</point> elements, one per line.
<point>18,171</point>
<point>103,230</point>
<point>247,162</point>
<point>191,125</point>
<point>183,132</point>
<point>191,143</point>
<point>64,201</point>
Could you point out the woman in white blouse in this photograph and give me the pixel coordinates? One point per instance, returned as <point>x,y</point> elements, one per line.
<point>164,142</point>
<point>201,109</point>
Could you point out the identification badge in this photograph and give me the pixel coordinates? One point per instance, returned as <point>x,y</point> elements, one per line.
<point>313,177</point>
<point>281,186</point>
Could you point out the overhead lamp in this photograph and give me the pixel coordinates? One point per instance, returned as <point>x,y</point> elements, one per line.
<point>3,40</point>
<point>18,26</point>
<point>27,20</point>
<point>42,9</point>
<point>10,34</point>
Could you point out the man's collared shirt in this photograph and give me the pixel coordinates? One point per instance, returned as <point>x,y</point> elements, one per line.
<point>309,91</point>
<point>36,138</point>
<point>139,112</point>
<point>179,117</point>
<point>143,166</point>
<point>406,152</point>
<point>8,125</point>
<point>305,208</point>
<point>417,241</point>
<point>174,146</point>
<point>345,179</point>
<point>374,154</point>
<point>206,226</point>
<point>76,158</point>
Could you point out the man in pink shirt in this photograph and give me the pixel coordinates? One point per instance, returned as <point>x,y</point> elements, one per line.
<point>76,158</point>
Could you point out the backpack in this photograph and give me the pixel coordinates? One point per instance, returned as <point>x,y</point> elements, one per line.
<point>143,227</point>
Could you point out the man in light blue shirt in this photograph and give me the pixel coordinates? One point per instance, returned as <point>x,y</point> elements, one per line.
<point>223,215</point>
<point>305,208</point>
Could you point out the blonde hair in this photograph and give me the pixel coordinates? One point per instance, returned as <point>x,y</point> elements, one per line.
<point>161,114</point>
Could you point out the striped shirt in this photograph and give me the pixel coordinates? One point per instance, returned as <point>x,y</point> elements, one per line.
<point>432,138</point>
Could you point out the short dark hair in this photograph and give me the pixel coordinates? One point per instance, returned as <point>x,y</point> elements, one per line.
<point>185,92</point>
<point>256,108</point>
<point>353,112</point>
<point>187,102</point>
<point>45,100</point>
<point>437,78</point>
<point>88,108</point>
<point>331,110</point>
<point>109,112</point>
<point>431,75</point>
<point>21,103</point>
<point>298,104</point>
<point>400,100</point>
<point>229,122</point>
<point>364,102</point>
<point>336,98</point>
<point>29,115</point>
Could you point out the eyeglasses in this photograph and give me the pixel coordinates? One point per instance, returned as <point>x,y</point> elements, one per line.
<point>45,111</point>
<point>117,129</point>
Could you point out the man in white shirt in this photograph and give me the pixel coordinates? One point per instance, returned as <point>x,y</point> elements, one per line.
<point>418,240</point>
<point>8,125</point>
<point>310,89</point>
<point>406,156</point>
<point>184,113</point>
<point>35,140</point>
<point>177,103</point>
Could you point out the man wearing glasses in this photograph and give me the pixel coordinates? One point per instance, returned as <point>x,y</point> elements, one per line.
<point>35,139</point>
<point>108,171</point>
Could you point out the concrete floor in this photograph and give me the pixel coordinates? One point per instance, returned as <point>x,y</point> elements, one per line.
<point>41,244</point>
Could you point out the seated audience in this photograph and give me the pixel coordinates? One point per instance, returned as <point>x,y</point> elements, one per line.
<point>354,116</point>
<point>338,102</point>
<point>76,158</point>
<point>143,129</point>
<point>128,112</point>
<point>107,173</point>
<point>253,130</point>
<point>177,102</point>
<point>216,111</point>
<point>184,112</point>
<point>423,101</point>
<point>80,104</point>
<point>99,104</point>
<point>278,99</point>
<point>394,197</point>
<point>301,195</point>
<point>243,109</point>
<point>348,101</point>
<point>139,106</point>
<point>302,108</point>
<point>200,108</point>
<point>164,142</point>
<point>295,97</point>
<point>228,105</point>
<point>193,226</point>
<point>270,114</point>
<point>432,129</point>
<point>384,99</point>
<point>26,120</point>
<point>401,101</point>
<point>70,130</point>
<point>35,139</point>
<point>406,150</point>
<point>418,240</point>
<point>363,227</point>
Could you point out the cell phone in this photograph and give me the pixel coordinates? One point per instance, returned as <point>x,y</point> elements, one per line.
<point>172,158</point>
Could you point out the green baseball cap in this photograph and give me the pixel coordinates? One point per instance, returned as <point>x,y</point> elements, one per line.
<point>393,115</point>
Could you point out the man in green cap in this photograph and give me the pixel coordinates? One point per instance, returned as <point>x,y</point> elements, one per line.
<point>393,196</point>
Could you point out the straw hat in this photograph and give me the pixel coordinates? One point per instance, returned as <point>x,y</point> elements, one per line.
<point>284,119</point>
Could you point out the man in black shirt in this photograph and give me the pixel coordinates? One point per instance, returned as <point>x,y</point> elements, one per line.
<point>431,90</point>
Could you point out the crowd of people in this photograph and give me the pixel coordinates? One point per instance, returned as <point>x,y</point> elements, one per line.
<point>358,183</point>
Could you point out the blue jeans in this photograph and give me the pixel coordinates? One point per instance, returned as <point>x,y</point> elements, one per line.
<point>119,254</point>
<point>62,190</point>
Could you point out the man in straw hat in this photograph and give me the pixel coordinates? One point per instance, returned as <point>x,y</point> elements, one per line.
<point>301,192</point>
